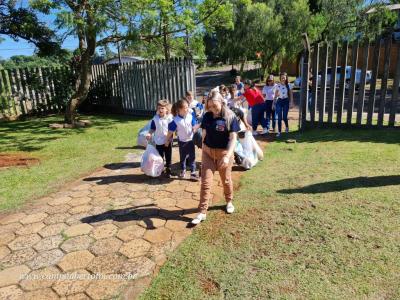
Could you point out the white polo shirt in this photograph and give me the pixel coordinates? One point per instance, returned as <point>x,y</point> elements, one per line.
<point>160,127</point>
<point>183,126</point>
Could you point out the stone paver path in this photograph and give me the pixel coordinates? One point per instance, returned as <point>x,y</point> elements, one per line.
<point>115,221</point>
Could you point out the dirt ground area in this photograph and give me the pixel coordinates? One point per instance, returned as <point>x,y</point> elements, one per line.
<point>16,160</point>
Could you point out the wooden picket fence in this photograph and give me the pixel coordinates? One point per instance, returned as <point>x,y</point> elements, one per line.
<point>365,95</point>
<point>135,87</point>
<point>27,91</point>
<point>129,88</point>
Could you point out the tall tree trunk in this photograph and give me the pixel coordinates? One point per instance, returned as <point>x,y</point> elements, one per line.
<point>164,22</point>
<point>242,65</point>
<point>167,53</point>
<point>264,68</point>
<point>87,46</point>
<point>82,89</point>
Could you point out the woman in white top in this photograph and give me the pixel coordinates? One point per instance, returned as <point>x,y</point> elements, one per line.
<point>270,93</point>
<point>284,101</point>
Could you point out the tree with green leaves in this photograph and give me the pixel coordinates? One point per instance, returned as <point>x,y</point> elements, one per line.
<point>181,24</point>
<point>347,19</point>
<point>35,61</point>
<point>97,23</point>
<point>23,23</point>
<point>271,28</point>
<point>274,28</point>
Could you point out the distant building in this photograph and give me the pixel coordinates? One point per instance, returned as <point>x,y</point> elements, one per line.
<point>124,59</point>
<point>396,8</point>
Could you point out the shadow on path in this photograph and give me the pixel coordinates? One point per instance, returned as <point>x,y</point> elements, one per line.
<point>145,213</point>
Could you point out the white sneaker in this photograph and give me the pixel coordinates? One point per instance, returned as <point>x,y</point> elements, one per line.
<point>265,131</point>
<point>278,134</point>
<point>200,217</point>
<point>255,133</point>
<point>230,208</point>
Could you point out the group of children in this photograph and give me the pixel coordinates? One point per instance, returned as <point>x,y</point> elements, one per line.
<point>266,107</point>
<point>184,117</point>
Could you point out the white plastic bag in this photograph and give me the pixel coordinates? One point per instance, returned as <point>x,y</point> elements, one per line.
<point>248,117</point>
<point>250,156</point>
<point>239,149</point>
<point>260,153</point>
<point>141,138</point>
<point>152,163</point>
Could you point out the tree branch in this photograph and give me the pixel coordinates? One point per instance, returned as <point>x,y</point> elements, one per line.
<point>208,15</point>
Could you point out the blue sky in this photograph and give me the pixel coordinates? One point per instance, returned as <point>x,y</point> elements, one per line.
<point>9,47</point>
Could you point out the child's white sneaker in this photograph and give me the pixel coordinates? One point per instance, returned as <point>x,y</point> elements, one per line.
<point>230,208</point>
<point>199,218</point>
<point>278,134</point>
<point>255,132</point>
<point>182,174</point>
<point>194,176</point>
<point>265,131</point>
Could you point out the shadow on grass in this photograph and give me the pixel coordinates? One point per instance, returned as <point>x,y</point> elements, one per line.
<point>33,134</point>
<point>145,213</point>
<point>345,184</point>
<point>384,136</point>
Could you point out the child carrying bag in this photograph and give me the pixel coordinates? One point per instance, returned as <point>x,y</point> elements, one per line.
<point>152,164</point>
<point>141,138</point>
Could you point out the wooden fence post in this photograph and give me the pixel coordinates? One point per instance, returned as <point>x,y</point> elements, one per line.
<point>332,88</point>
<point>304,82</point>
<point>352,88</point>
<point>315,68</point>
<point>324,70</point>
<point>382,101</point>
<point>372,89</point>
<point>361,88</point>
<point>395,90</point>
<point>342,82</point>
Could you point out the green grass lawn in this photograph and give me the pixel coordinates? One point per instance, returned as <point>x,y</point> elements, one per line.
<point>64,154</point>
<point>319,219</point>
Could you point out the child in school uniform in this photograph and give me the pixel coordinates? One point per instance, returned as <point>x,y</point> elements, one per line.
<point>159,128</point>
<point>195,105</point>
<point>184,123</point>
<point>224,91</point>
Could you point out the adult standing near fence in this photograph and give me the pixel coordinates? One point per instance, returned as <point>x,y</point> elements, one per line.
<point>220,128</point>
<point>256,105</point>
<point>270,92</point>
<point>284,102</point>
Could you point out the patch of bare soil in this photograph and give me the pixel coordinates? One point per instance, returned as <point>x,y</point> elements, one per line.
<point>209,286</point>
<point>16,160</point>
